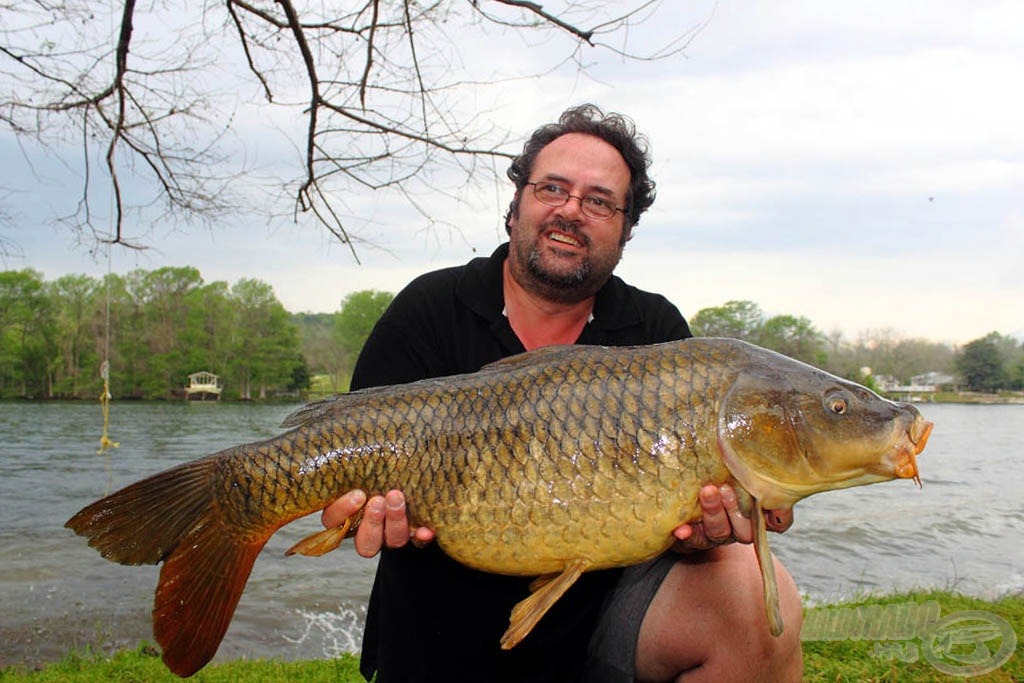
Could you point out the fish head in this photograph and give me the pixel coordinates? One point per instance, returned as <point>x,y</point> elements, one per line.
<point>787,430</point>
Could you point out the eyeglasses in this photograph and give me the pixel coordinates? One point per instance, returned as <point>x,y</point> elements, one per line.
<point>593,206</point>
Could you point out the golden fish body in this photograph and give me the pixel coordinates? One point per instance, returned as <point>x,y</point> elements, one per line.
<point>555,462</point>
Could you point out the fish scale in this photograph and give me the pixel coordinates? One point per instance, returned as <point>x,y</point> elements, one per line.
<point>551,463</point>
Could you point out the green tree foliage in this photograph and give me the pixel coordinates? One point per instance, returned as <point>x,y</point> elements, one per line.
<point>735,319</point>
<point>873,354</point>
<point>155,327</point>
<point>264,352</point>
<point>984,364</point>
<point>795,337</point>
<point>75,313</point>
<point>353,323</point>
<point>27,335</point>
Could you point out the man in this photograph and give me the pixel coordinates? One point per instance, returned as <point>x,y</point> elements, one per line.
<point>696,614</point>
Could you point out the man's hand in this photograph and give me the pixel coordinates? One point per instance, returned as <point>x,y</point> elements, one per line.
<point>384,521</point>
<point>722,522</point>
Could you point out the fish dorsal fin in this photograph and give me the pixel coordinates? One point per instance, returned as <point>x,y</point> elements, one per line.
<point>311,412</point>
<point>546,593</point>
<point>764,559</point>
<point>352,400</point>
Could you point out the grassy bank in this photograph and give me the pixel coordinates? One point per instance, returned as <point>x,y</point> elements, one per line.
<point>838,659</point>
<point>865,659</point>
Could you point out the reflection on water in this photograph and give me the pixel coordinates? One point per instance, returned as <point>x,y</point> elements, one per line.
<point>58,594</point>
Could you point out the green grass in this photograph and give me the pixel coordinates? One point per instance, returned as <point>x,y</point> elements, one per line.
<point>836,661</point>
<point>825,661</point>
<point>143,665</point>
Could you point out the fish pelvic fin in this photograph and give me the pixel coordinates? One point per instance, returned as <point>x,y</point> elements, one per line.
<point>323,542</point>
<point>172,517</point>
<point>546,592</point>
<point>764,560</point>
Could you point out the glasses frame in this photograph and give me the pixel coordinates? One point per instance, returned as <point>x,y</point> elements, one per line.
<point>585,209</point>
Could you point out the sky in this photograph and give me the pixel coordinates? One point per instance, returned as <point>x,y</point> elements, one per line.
<point>857,164</point>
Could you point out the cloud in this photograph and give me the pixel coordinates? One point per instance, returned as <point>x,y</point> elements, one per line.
<point>855,163</point>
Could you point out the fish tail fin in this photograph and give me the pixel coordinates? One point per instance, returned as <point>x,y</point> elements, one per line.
<point>172,517</point>
<point>200,585</point>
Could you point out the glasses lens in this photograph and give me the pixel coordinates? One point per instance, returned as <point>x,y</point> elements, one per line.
<point>554,195</point>
<point>595,207</point>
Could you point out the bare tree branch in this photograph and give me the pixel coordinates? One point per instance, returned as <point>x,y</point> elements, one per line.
<point>379,101</point>
<point>369,54</point>
<point>548,18</point>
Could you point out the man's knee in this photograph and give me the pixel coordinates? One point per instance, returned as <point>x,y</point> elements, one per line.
<point>708,618</point>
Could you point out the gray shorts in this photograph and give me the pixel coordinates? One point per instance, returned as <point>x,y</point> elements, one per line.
<point>611,654</point>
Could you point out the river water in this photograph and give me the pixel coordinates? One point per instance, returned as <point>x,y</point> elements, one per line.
<point>962,530</point>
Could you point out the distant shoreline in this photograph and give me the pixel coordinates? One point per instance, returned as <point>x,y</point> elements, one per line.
<point>965,397</point>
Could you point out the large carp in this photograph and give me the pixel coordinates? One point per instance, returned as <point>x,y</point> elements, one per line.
<point>550,463</point>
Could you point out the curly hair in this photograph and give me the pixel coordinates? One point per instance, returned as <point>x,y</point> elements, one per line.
<point>615,129</point>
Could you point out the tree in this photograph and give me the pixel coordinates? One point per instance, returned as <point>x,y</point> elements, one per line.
<point>370,93</point>
<point>359,312</point>
<point>736,319</point>
<point>795,337</point>
<point>26,335</point>
<point>265,349</point>
<point>76,307</point>
<point>981,364</point>
<point>171,298</point>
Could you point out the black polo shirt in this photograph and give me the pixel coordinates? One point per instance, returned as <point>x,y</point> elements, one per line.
<point>430,618</point>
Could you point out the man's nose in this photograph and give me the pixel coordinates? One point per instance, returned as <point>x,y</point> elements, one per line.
<point>573,208</point>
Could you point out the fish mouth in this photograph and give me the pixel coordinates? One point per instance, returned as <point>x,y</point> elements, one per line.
<point>906,460</point>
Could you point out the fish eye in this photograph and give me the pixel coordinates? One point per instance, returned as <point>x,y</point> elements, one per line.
<point>837,405</point>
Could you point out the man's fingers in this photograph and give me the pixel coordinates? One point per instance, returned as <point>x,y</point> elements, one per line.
<point>370,535</point>
<point>715,520</point>
<point>343,508</point>
<point>396,524</point>
<point>422,536</point>
<point>741,527</point>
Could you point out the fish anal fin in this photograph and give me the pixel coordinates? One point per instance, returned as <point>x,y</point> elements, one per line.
<point>323,542</point>
<point>546,592</point>
<point>200,585</point>
<point>764,560</point>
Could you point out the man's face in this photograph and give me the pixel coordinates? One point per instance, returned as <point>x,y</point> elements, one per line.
<point>558,251</point>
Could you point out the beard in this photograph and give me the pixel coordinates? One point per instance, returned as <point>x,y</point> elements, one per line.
<point>557,279</point>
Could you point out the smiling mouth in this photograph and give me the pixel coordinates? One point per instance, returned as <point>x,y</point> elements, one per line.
<point>563,238</point>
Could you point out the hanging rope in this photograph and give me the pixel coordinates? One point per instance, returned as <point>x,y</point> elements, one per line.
<point>104,406</point>
<point>105,440</point>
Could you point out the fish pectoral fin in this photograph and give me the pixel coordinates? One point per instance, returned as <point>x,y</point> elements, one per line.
<point>546,590</point>
<point>764,560</point>
<point>323,542</point>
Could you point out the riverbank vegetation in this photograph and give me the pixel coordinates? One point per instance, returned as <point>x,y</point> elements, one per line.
<point>157,327</point>
<point>847,656</point>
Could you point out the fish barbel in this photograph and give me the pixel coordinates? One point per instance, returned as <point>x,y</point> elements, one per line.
<point>551,463</point>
